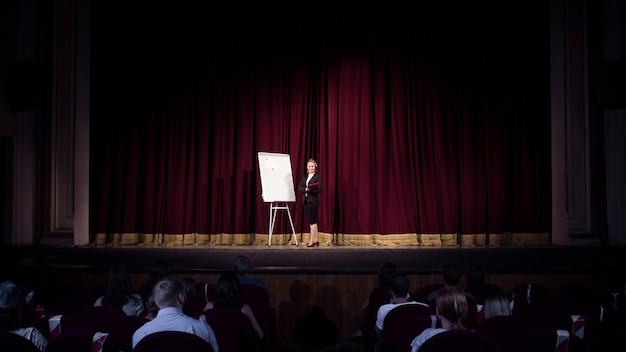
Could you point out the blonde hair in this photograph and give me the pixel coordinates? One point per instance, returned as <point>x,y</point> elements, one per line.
<point>312,161</point>
<point>496,304</point>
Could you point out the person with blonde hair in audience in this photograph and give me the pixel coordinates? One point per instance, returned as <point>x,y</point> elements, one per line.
<point>496,304</point>
<point>170,297</point>
<point>451,307</point>
<point>11,309</point>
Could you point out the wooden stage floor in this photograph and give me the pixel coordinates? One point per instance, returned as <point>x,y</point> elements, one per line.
<point>322,260</point>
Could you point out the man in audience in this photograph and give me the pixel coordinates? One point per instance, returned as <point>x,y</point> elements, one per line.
<point>400,295</point>
<point>169,296</point>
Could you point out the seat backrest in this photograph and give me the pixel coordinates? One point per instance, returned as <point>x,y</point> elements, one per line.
<point>403,323</point>
<point>95,318</point>
<point>168,341</point>
<point>259,301</point>
<point>459,340</point>
<point>543,316</point>
<point>78,340</point>
<point>232,328</point>
<point>196,302</point>
<point>121,331</point>
<point>378,296</point>
<point>505,330</point>
<point>550,340</point>
<point>12,342</point>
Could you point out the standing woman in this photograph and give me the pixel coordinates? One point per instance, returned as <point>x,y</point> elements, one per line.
<point>311,186</point>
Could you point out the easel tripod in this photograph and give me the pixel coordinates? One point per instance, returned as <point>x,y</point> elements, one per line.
<point>274,208</point>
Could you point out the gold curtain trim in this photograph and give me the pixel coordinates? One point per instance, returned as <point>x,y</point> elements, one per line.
<point>326,239</point>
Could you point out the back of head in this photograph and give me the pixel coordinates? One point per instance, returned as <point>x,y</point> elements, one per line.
<point>118,287</point>
<point>452,305</point>
<point>400,286</point>
<point>242,265</point>
<point>11,305</point>
<point>475,276</point>
<point>166,293</point>
<point>451,275</point>
<point>496,304</point>
<point>160,269</point>
<point>189,284</point>
<point>386,272</point>
<point>228,291</point>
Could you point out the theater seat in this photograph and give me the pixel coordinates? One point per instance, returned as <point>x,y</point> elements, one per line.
<point>459,340</point>
<point>168,341</point>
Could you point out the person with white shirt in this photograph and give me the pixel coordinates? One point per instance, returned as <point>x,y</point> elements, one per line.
<point>169,296</point>
<point>400,295</point>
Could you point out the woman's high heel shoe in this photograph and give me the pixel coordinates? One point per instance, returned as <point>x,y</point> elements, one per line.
<point>314,244</point>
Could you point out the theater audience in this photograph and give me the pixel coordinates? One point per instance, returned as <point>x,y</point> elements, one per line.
<point>11,309</point>
<point>119,292</point>
<point>400,295</point>
<point>451,307</point>
<point>228,295</point>
<point>169,296</point>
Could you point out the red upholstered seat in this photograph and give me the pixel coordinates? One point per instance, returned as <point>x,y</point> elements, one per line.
<point>505,330</point>
<point>459,340</point>
<point>402,324</point>
<point>79,340</point>
<point>233,330</point>
<point>168,341</point>
<point>547,339</point>
<point>121,331</point>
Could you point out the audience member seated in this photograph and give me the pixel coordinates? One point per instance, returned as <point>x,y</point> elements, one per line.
<point>169,296</point>
<point>242,267</point>
<point>378,296</point>
<point>451,307</point>
<point>120,293</point>
<point>228,295</point>
<point>400,295</point>
<point>476,289</point>
<point>160,269</point>
<point>451,277</point>
<point>195,300</point>
<point>315,331</point>
<point>496,304</point>
<point>11,308</point>
<point>475,279</point>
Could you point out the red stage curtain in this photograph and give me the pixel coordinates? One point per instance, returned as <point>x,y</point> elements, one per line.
<point>433,120</point>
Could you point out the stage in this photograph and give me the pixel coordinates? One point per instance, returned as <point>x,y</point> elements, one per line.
<point>281,259</point>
